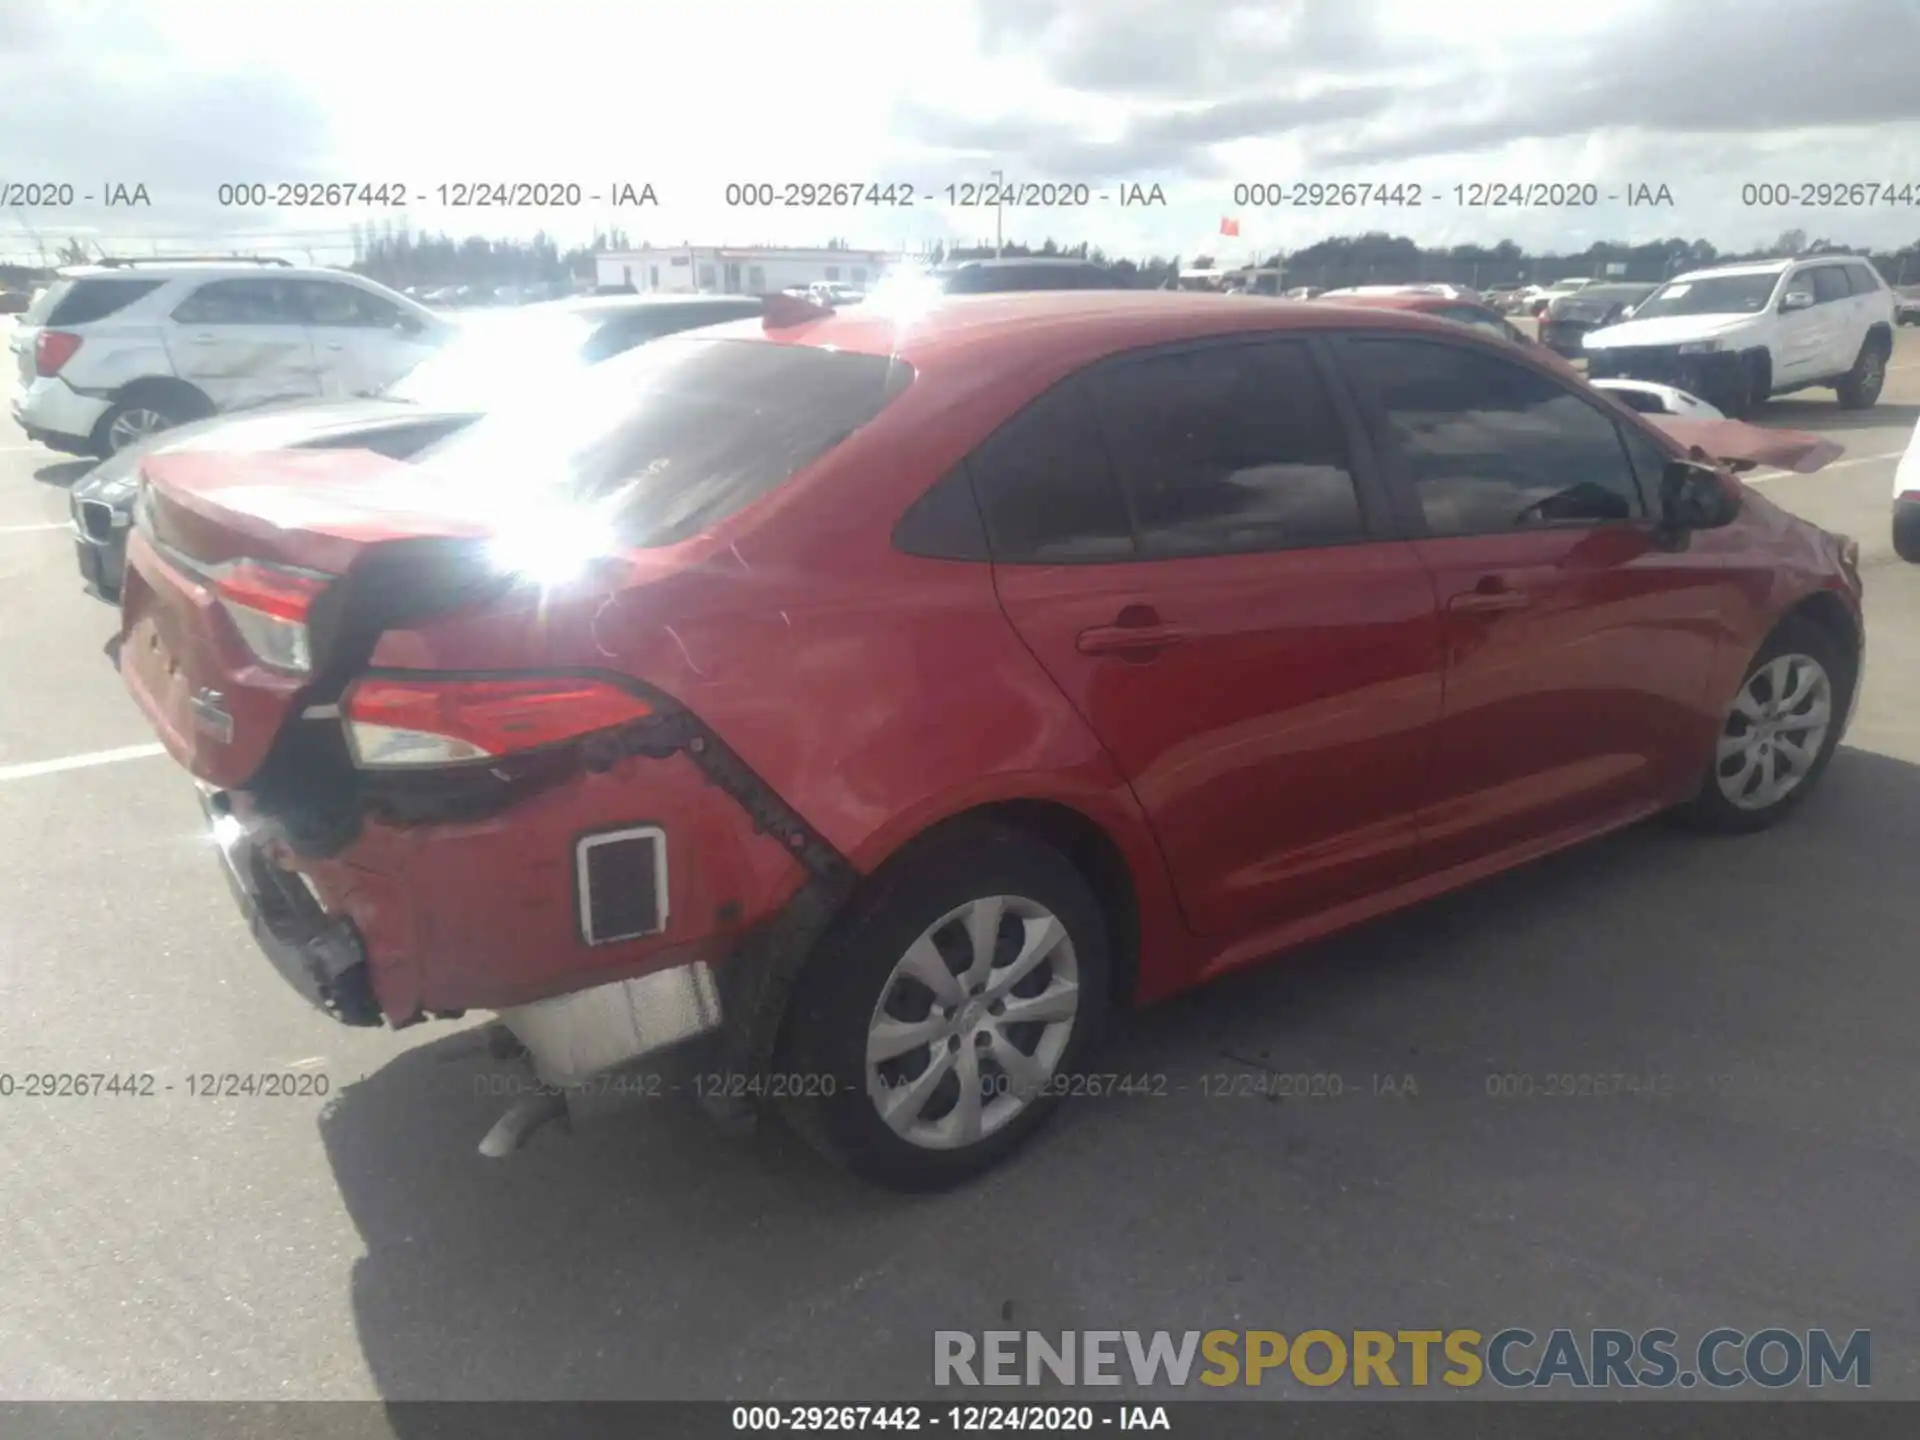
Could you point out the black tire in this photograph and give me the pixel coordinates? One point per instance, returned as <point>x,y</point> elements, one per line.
<point>172,410</point>
<point>1711,808</point>
<point>1906,532</point>
<point>1750,388</point>
<point>1860,387</point>
<point>824,1039</point>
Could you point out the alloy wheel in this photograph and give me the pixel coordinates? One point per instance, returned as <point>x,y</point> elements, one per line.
<point>133,425</point>
<point>1775,732</point>
<point>971,1025</point>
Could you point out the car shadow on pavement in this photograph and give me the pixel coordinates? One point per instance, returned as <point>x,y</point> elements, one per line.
<point>648,1255</point>
<point>63,473</point>
<point>1820,413</point>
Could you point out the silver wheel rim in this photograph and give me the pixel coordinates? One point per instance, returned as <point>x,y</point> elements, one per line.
<point>972,1022</point>
<point>1775,732</point>
<point>133,425</point>
<point>1876,372</point>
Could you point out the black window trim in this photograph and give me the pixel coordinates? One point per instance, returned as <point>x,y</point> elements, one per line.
<point>1839,271</point>
<point>1409,512</point>
<point>1378,520</point>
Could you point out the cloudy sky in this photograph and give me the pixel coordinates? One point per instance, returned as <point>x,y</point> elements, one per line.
<point>1197,96</point>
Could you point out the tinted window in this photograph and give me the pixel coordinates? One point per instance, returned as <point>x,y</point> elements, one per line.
<point>1229,449</point>
<point>1049,494</point>
<point>330,303</point>
<point>241,302</point>
<point>75,302</point>
<point>1829,284</point>
<point>944,523</point>
<point>1649,459</point>
<point>1490,446</point>
<point>671,438</point>
<point>1862,278</point>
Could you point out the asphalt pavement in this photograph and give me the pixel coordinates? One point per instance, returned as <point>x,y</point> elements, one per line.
<point>170,1246</point>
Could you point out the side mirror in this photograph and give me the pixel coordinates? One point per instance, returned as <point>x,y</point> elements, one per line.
<point>1796,300</point>
<point>1626,311</point>
<point>1694,497</point>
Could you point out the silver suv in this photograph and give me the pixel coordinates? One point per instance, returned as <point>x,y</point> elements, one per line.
<point>111,353</point>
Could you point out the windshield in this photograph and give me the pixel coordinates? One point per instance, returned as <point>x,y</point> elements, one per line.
<point>494,359</point>
<point>1720,295</point>
<point>666,440</point>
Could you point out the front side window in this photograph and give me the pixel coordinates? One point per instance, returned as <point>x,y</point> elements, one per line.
<point>1828,283</point>
<point>1229,449</point>
<point>241,302</point>
<point>1862,279</point>
<point>332,304</point>
<point>1490,446</point>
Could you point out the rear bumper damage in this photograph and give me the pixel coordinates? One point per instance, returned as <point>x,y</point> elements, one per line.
<point>464,903</point>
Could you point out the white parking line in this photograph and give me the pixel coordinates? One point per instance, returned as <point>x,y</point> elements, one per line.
<point>27,529</point>
<point>79,762</point>
<point>23,449</point>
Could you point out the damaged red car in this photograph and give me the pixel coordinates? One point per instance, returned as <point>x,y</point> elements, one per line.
<point>884,697</point>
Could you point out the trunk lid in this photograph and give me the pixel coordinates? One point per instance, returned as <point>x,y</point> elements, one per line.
<point>365,540</point>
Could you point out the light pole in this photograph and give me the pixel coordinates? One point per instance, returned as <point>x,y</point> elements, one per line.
<point>999,186</point>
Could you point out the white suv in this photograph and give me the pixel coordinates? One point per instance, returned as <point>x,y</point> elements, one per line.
<point>114,352</point>
<point>1738,334</point>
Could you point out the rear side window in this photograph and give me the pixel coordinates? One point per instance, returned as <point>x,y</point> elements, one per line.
<point>1049,495</point>
<point>1229,449</point>
<point>242,302</point>
<point>331,304</point>
<point>673,437</point>
<point>76,302</point>
<point>1490,446</point>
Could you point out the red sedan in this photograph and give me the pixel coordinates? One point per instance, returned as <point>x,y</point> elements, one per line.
<point>886,697</point>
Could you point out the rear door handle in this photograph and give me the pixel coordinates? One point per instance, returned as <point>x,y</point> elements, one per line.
<point>1488,596</point>
<point>1112,639</point>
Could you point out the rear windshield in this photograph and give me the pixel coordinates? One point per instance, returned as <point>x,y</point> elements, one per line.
<point>673,437</point>
<point>75,302</point>
<point>990,279</point>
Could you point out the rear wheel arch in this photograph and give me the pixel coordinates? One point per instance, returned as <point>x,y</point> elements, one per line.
<point>1880,333</point>
<point>167,390</point>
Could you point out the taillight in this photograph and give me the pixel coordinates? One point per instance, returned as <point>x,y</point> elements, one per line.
<point>51,350</point>
<point>395,724</point>
<point>268,605</point>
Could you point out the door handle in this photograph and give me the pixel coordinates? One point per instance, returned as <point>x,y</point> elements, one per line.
<point>1490,595</point>
<point>1120,639</point>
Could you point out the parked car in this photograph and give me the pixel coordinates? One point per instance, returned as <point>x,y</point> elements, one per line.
<point>881,705</point>
<point>1650,398</point>
<point>984,277</point>
<point>113,353</point>
<point>494,358</point>
<point>1906,309</point>
<point>832,292</point>
<point>1543,299</point>
<point>1736,335</point>
<point>1906,502</point>
<point>14,302</point>
<point>1434,301</point>
<point>1571,317</point>
<point>1305,292</point>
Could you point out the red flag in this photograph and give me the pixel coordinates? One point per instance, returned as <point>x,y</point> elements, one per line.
<point>1229,227</point>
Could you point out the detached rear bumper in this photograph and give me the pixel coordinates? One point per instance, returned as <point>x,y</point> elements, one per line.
<point>322,957</point>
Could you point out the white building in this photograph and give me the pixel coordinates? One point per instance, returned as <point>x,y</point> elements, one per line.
<point>736,270</point>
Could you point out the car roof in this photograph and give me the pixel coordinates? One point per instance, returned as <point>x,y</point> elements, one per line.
<point>1053,327</point>
<point>202,268</point>
<point>1624,287</point>
<point>1751,267</point>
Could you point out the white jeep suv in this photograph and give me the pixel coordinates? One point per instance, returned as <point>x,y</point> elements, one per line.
<point>1739,334</point>
<point>113,352</point>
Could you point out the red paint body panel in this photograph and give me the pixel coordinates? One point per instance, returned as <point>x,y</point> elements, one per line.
<point>1330,738</point>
